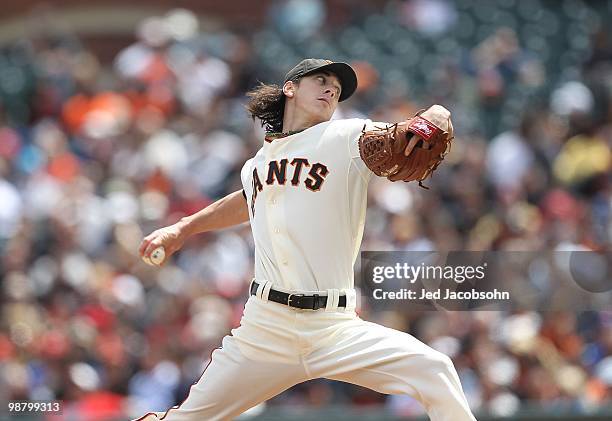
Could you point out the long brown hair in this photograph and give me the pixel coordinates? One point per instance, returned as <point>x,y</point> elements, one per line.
<point>267,102</point>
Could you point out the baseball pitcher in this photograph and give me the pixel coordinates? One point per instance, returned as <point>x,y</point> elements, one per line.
<point>304,193</point>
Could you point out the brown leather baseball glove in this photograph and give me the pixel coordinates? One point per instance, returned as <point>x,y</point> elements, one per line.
<point>410,150</point>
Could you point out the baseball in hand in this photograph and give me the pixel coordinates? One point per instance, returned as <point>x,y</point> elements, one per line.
<point>157,256</point>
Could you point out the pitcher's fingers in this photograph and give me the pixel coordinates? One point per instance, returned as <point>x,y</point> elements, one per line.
<point>143,246</point>
<point>150,247</point>
<point>413,141</point>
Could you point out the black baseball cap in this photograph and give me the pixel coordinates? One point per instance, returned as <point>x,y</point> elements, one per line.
<point>344,72</point>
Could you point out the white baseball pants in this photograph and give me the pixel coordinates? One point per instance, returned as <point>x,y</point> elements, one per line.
<point>276,347</point>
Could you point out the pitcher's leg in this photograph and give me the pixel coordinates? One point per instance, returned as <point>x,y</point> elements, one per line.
<point>231,384</point>
<point>393,362</point>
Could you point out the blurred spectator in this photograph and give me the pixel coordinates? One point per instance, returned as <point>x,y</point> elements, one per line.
<point>431,17</point>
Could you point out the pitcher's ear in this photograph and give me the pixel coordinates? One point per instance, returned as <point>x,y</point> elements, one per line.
<point>289,89</point>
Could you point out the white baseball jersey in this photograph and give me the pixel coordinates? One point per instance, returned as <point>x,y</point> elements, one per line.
<point>307,201</point>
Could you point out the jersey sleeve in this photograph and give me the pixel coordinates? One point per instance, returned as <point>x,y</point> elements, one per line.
<point>246,179</point>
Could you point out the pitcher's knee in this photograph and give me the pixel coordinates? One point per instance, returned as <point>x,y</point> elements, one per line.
<point>148,417</point>
<point>443,363</point>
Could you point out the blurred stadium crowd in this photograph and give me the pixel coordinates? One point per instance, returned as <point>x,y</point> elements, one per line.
<point>95,156</point>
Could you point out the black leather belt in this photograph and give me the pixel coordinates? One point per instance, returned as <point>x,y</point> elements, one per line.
<point>310,302</point>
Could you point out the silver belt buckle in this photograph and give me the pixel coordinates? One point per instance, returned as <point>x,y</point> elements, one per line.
<point>292,295</point>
